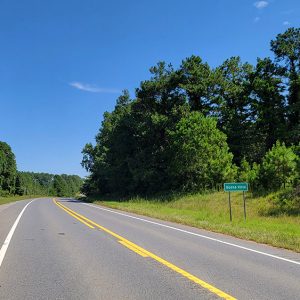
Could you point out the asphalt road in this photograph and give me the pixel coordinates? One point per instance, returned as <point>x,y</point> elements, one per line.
<point>73,250</point>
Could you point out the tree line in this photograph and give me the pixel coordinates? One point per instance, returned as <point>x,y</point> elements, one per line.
<point>193,127</point>
<point>14,182</point>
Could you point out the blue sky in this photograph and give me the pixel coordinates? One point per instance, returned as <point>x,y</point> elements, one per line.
<point>64,62</point>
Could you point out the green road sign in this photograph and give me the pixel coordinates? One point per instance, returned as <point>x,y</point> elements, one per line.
<point>236,187</point>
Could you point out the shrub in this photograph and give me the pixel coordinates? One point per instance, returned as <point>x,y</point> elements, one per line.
<point>279,166</point>
<point>200,153</point>
<point>249,174</point>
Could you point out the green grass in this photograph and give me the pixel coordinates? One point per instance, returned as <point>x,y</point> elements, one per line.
<point>4,200</point>
<point>210,211</point>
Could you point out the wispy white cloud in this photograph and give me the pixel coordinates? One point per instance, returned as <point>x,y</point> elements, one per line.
<point>256,19</point>
<point>92,88</point>
<point>261,4</point>
<point>286,23</point>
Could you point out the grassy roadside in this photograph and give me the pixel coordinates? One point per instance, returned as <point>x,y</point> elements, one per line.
<point>4,200</point>
<point>210,211</point>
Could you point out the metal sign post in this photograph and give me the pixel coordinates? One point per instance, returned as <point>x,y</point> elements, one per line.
<point>244,205</point>
<point>230,207</point>
<point>236,187</point>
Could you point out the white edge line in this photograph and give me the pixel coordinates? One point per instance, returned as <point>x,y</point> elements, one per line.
<point>10,234</point>
<point>197,234</point>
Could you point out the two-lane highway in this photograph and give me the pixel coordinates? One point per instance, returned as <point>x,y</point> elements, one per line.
<point>66,249</point>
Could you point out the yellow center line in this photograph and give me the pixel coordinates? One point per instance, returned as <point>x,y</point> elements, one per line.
<point>133,249</point>
<point>73,215</point>
<point>143,252</point>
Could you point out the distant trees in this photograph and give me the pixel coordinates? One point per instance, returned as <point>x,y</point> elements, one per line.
<point>196,126</point>
<point>65,185</point>
<point>29,183</point>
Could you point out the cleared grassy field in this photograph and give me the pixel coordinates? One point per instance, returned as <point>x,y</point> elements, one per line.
<point>4,200</point>
<point>211,211</point>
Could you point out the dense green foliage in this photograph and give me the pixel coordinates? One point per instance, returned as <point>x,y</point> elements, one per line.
<point>199,152</point>
<point>279,166</point>
<point>66,185</point>
<point>13,182</point>
<point>29,183</point>
<point>8,169</point>
<point>194,127</point>
<point>286,48</point>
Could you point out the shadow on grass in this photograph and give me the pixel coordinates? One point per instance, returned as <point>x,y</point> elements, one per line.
<point>160,198</point>
<point>109,198</point>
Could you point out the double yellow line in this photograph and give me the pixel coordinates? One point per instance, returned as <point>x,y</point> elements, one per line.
<point>143,252</point>
<point>73,214</point>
